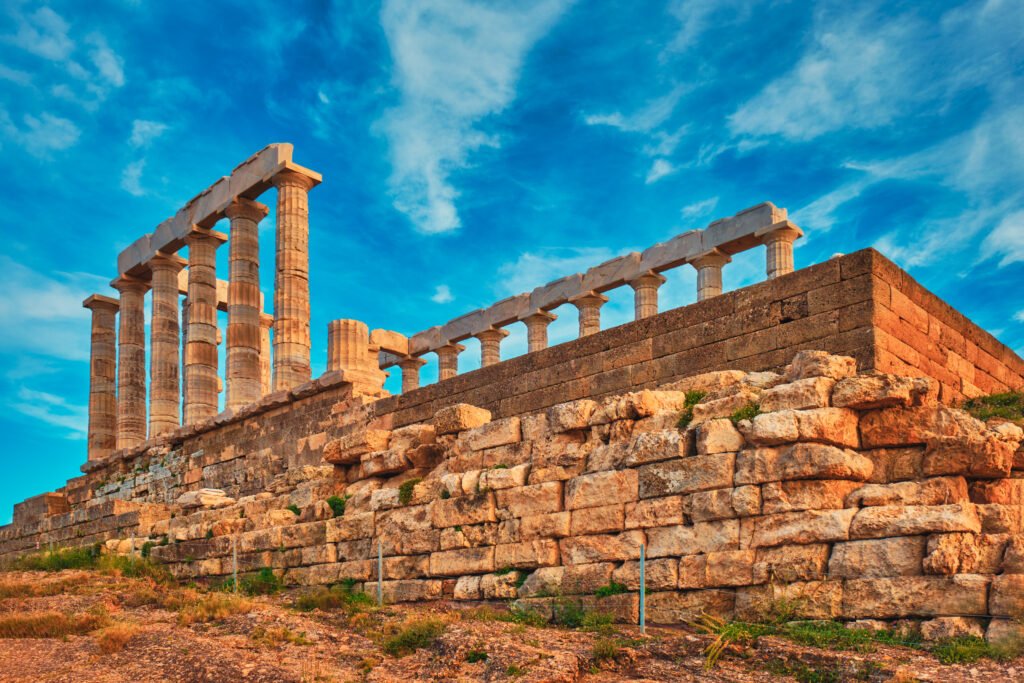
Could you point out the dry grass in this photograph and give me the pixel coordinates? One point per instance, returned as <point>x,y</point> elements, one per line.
<point>213,607</point>
<point>278,635</point>
<point>113,638</point>
<point>49,624</point>
<point>25,589</point>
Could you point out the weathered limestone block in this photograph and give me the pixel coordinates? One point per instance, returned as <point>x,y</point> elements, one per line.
<point>499,586</point>
<point>527,554</point>
<point>411,590</point>
<point>411,436</point>
<point>800,461</point>
<point>901,556</point>
<point>598,520</point>
<point>298,535</point>
<point>472,536</point>
<point>544,581</point>
<point>504,478</point>
<point>605,548</point>
<point>711,408</point>
<point>908,520</point>
<point>648,447</point>
<point>459,418</point>
<point>702,537</point>
<point>985,457</point>
<point>1013,559</point>
<point>532,500</point>
<point>492,434</point>
<point>682,607</point>
<point>915,596</point>
<point>708,382</point>
<point>834,426</point>
<point>792,496</point>
<point>820,364</point>
<point>868,392</point>
<point>601,488</point>
<point>658,575</point>
<point>687,475</point>
<point>810,526</point>
<point>948,553</point>
<point>384,462</point>
<point>465,510</point>
<point>407,567</point>
<point>384,499</point>
<point>809,599</point>
<point>204,498</point>
<point>1001,519</point>
<point>654,512</point>
<point>743,501</point>
<point>348,449</point>
<point>717,569</point>
<point>915,426</point>
<point>789,563</point>
<point>804,394</point>
<point>586,578</point>
<point>362,549</point>
<point>1007,596</point>
<point>718,436</point>
<point>1005,633</point>
<point>462,561</point>
<point>1000,491</point>
<point>895,464</point>
<point>570,416</point>
<point>936,491</point>
<point>945,628</point>
<point>229,527</point>
<point>771,429</point>
<point>551,525</point>
<point>607,456</point>
<point>468,588</point>
<point>637,405</point>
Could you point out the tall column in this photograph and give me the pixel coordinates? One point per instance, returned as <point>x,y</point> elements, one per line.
<point>490,346</point>
<point>102,376</point>
<point>201,380</point>
<point>448,360</point>
<point>411,372</point>
<point>243,352</point>
<point>709,273</point>
<point>645,294</point>
<point>778,241</point>
<point>291,281</point>
<point>589,306</point>
<point>164,335</point>
<point>266,323</point>
<point>537,330</point>
<point>184,347</point>
<point>131,362</point>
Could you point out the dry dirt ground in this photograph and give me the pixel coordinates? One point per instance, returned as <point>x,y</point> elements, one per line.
<point>137,630</point>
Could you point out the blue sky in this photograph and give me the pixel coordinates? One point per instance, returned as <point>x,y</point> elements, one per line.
<point>475,150</point>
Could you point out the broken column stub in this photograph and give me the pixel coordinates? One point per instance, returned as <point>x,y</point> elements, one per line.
<point>349,350</point>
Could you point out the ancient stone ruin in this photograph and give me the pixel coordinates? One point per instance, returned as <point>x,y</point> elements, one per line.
<point>797,439</point>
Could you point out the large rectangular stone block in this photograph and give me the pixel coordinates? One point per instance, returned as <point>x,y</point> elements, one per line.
<point>687,475</point>
<point>915,596</point>
<point>605,548</point>
<point>810,526</point>
<point>601,488</point>
<point>908,520</point>
<point>464,510</point>
<point>462,561</point>
<point>702,537</point>
<point>901,556</point>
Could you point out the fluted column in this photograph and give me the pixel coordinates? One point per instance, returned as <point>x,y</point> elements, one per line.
<point>131,362</point>
<point>348,345</point>
<point>537,330</point>
<point>645,294</point>
<point>411,372</point>
<point>490,345</point>
<point>102,376</point>
<point>165,336</point>
<point>266,324</point>
<point>448,360</point>
<point>201,380</point>
<point>291,281</point>
<point>589,306</point>
<point>709,273</point>
<point>184,348</point>
<point>243,352</point>
<point>778,241</point>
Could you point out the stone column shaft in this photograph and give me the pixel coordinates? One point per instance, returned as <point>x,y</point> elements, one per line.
<point>102,376</point>
<point>490,346</point>
<point>201,379</point>
<point>778,241</point>
<point>448,360</point>
<point>537,330</point>
<point>266,324</point>
<point>589,306</point>
<point>165,337</point>
<point>645,294</point>
<point>348,343</point>
<point>411,372</point>
<point>131,362</point>
<point>244,336</point>
<point>709,273</point>
<point>291,281</point>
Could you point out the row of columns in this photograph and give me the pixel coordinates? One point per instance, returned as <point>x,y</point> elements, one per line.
<point>117,394</point>
<point>779,261</point>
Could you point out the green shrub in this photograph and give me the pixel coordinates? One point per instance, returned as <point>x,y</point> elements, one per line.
<point>405,490</point>
<point>337,504</point>
<point>967,649</point>
<point>445,494</point>
<point>523,616</point>
<point>295,509</point>
<point>692,399</point>
<point>147,547</point>
<point>263,582</point>
<point>568,612</point>
<point>474,656</point>
<point>1008,405</point>
<point>513,671</point>
<point>605,649</point>
<point>611,589</point>
<point>209,533</point>
<point>414,635</point>
<point>62,558</point>
<point>747,412</point>
<point>337,597</point>
<point>599,622</point>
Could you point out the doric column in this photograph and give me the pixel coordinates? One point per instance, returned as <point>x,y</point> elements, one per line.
<point>131,362</point>
<point>537,330</point>
<point>709,273</point>
<point>348,343</point>
<point>243,352</point>
<point>291,281</point>
<point>266,323</point>
<point>448,360</point>
<point>165,336</point>
<point>589,306</point>
<point>184,347</point>
<point>411,372</point>
<point>778,240</point>
<point>645,293</point>
<point>102,376</point>
<point>490,345</point>
<point>201,380</point>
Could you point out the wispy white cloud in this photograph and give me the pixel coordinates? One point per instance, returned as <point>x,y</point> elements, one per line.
<point>1019,316</point>
<point>15,76</point>
<point>108,63</point>
<point>701,208</point>
<point>144,132</point>
<point>131,178</point>
<point>455,63</point>
<point>43,33</point>
<point>697,16</point>
<point>1006,241</point>
<point>53,410</point>
<point>659,169</point>
<point>442,295</point>
<point>535,268</point>
<point>40,135</point>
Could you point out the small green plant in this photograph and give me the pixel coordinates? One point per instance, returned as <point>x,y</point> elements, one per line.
<point>747,412</point>
<point>457,528</point>
<point>568,612</point>
<point>62,558</point>
<point>500,467</point>
<point>337,504</point>
<point>337,597</point>
<point>598,622</point>
<point>294,508</point>
<point>414,635</point>
<point>445,494</point>
<point>263,582</point>
<point>522,616</point>
<point>405,490</point>
<point>474,656</point>
<point>692,399</point>
<point>513,671</point>
<point>503,571</point>
<point>605,649</point>
<point>209,533</point>
<point>967,649</point>
<point>1008,405</point>
<point>611,589</point>
<point>147,547</point>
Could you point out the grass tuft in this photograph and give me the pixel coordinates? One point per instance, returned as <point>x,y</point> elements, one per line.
<point>415,634</point>
<point>405,490</point>
<point>692,399</point>
<point>747,412</point>
<point>474,656</point>
<point>213,607</point>
<point>50,624</point>
<point>611,589</point>
<point>113,638</point>
<point>294,508</point>
<point>338,597</point>
<point>338,504</point>
<point>1008,405</point>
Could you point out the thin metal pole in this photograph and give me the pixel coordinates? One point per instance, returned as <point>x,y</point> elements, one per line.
<point>131,551</point>
<point>643,590</point>
<point>234,562</point>
<point>380,573</point>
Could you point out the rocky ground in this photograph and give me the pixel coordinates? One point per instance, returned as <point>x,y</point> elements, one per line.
<point>92,626</point>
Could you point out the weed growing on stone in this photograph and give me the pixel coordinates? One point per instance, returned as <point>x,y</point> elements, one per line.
<point>405,490</point>
<point>295,509</point>
<point>1008,405</point>
<point>611,589</point>
<point>747,412</point>
<point>513,671</point>
<point>692,399</point>
<point>337,504</point>
<point>415,634</point>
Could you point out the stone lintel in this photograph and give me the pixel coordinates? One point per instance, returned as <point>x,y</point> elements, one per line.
<point>612,273</point>
<point>556,292</point>
<point>390,342</point>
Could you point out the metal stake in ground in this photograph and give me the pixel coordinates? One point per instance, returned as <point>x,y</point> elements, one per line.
<point>380,573</point>
<point>643,589</point>
<point>234,562</point>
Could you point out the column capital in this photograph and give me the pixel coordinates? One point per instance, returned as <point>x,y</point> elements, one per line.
<point>587,299</point>
<point>539,315</point>
<point>296,178</point>
<point>126,283</point>
<point>164,261</point>
<point>98,302</point>
<point>241,207</point>
<point>648,279</point>
<point>714,258</point>
<point>202,234</point>
<point>783,231</point>
<point>411,362</point>
<point>492,334</point>
<point>266,321</point>
<point>450,347</point>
